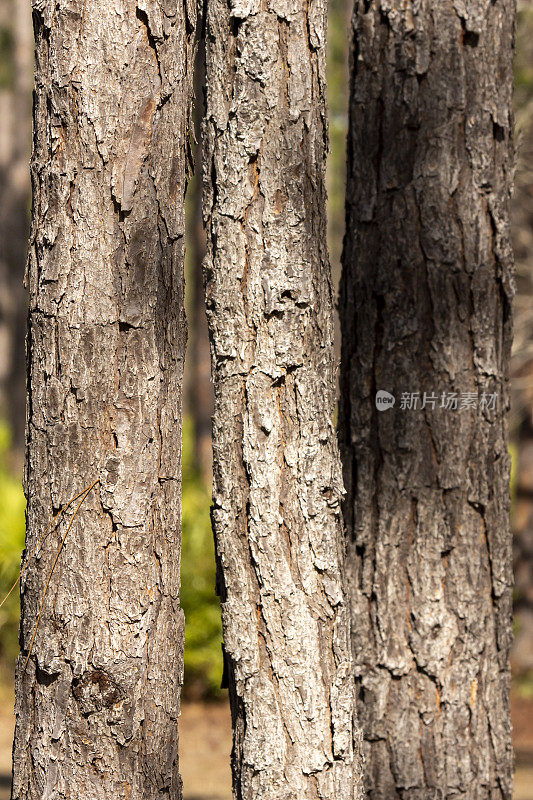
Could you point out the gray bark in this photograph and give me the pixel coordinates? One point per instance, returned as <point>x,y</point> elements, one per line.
<point>277,481</point>
<point>97,705</point>
<point>426,307</point>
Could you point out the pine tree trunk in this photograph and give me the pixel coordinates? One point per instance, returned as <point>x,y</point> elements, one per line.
<point>15,136</point>
<point>426,307</point>
<point>521,422</point>
<point>277,481</point>
<point>201,389</point>
<point>97,704</point>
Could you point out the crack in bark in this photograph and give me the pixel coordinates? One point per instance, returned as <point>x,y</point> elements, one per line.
<point>422,309</point>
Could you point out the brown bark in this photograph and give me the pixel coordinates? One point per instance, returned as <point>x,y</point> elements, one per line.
<point>98,703</point>
<point>277,481</point>
<point>426,307</point>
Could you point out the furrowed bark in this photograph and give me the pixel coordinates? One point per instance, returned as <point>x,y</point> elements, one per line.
<point>426,307</point>
<point>277,479</point>
<point>98,703</point>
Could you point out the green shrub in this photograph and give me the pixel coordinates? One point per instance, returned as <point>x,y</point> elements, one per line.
<point>203,629</point>
<point>203,655</point>
<point>12,530</point>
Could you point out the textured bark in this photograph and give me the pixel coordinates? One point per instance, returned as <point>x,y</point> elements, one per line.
<point>15,137</point>
<point>97,705</point>
<point>425,307</point>
<point>277,479</point>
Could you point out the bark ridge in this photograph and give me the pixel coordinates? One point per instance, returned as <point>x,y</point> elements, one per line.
<point>97,706</point>
<point>277,477</point>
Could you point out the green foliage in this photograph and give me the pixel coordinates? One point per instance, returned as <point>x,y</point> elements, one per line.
<point>339,12</point>
<point>203,629</point>
<point>203,632</point>
<point>523,66</point>
<point>523,685</point>
<point>12,530</point>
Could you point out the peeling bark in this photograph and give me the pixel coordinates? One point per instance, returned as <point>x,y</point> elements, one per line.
<point>97,705</point>
<point>426,307</point>
<point>277,477</point>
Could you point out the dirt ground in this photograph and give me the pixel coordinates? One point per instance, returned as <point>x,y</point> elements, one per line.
<point>205,744</point>
<point>522,713</point>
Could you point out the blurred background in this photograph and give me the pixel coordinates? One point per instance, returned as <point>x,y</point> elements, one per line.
<point>205,730</point>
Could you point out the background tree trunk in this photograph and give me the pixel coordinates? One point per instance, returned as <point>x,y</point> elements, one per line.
<point>426,307</point>
<point>277,481</point>
<point>97,705</point>
<point>522,361</point>
<point>200,389</point>
<point>16,55</point>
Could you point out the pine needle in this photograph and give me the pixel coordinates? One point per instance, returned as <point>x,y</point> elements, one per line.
<point>85,493</point>
<point>48,527</point>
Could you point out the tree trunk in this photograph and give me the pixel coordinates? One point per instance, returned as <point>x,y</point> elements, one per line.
<point>15,137</point>
<point>522,361</point>
<point>277,481</point>
<point>201,388</point>
<point>97,704</point>
<point>426,307</point>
